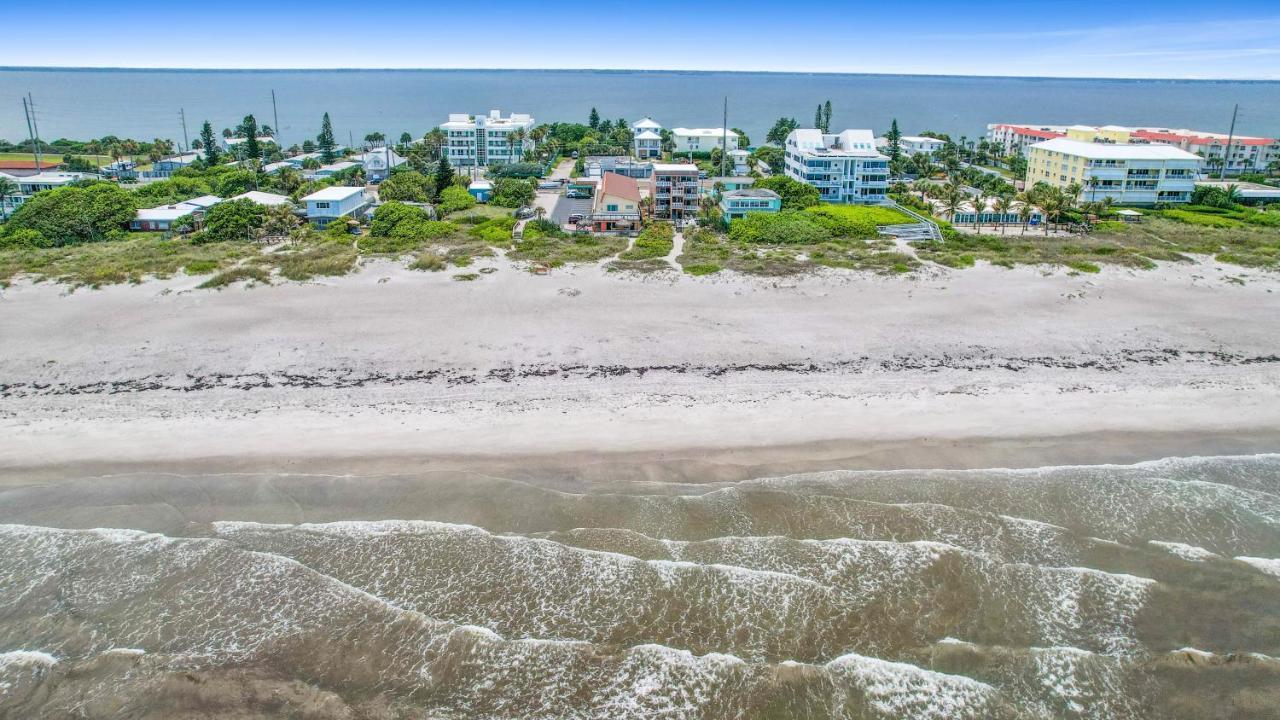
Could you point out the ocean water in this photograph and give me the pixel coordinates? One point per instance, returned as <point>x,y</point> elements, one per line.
<point>1144,591</point>
<point>145,103</point>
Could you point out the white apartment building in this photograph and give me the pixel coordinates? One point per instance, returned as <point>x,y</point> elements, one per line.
<point>687,140</point>
<point>912,145</point>
<point>845,167</point>
<point>1014,139</point>
<point>1127,173</point>
<point>648,139</point>
<point>487,139</point>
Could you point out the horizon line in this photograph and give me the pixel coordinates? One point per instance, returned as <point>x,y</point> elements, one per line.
<point>121,68</point>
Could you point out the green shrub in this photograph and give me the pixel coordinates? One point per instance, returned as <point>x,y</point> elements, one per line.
<point>655,241</point>
<point>455,199</point>
<point>700,269</point>
<point>1083,266</point>
<point>430,262</point>
<point>466,277</point>
<point>786,227</point>
<point>234,275</point>
<point>1193,218</point>
<point>200,267</point>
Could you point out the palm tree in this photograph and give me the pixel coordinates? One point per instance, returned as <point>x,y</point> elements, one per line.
<point>1232,192</point>
<point>1004,203</point>
<point>1273,167</point>
<point>922,165</point>
<point>952,199</point>
<point>8,188</point>
<point>288,180</point>
<point>515,139</point>
<point>1025,210</point>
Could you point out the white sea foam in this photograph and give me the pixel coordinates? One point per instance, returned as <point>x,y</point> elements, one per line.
<point>1184,551</point>
<point>1270,566</point>
<point>900,690</point>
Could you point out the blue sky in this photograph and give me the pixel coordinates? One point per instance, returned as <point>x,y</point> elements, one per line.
<point>1074,38</point>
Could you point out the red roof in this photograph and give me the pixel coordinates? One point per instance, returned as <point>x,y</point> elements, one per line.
<point>1172,137</point>
<point>27,165</point>
<point>1033,132</point>
<point>620,186</point>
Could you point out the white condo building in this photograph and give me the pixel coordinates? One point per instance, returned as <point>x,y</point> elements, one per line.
<point>845,167</point>
<point>486,139</point>
<point>1128,174</point>
<point>687,140</point>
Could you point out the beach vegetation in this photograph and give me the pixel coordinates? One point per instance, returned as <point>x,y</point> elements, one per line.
<point>407,186</point>
<point>655,241</point>
<point>454,199</point>
<point>73,215</point>
<point>795,194</point>
<point>510,192</point>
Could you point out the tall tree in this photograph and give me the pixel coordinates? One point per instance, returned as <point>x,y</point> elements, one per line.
<point>8,189</point>
<point>594,119</point>
<point>826,117</point>
<point>252,149</point>
<point>780,130</point>
<point>744,142</point>
<point>405,138</point>
<point>443,175</point>
<point>894,137</point>
<point>211,151</point>
<point>817,118</point>
<point>325,140</point>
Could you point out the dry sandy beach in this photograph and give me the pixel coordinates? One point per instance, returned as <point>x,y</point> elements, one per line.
<point>395,363</point>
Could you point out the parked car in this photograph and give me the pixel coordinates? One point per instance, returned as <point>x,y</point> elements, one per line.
<point>577,195</point>
<point>549,185</point>
<point>576,218</point>
<point>525,213</point>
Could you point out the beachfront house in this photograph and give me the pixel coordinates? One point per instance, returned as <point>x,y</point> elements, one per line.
<point>597,165</point>
<point>675,190</point>
<point>616,206</point>
<point>647,142</point>
<point>331,203</point>
<point>482,140</point>
<point>737,204</point>
<point>31,184</point>
<point>1128,174</point>
<point>235,145</point>
<point>264,199</point>
<point>702,140</point>
<point>989,214</point>
<point>378,163</point>
<point>845,167</point>
<point>161,217</point>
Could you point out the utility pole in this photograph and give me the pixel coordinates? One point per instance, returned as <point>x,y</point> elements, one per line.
<point>1231,134</point>
<point>275,117</point>
<point>186,143</point>
<point>724,137</point>
<point>35,126</point>
<point>26,111</point>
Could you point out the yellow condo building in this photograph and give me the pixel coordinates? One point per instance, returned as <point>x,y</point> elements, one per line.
<point>1128,174</point>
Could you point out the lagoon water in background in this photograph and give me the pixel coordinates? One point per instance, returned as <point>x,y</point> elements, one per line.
<point>143,104</point>
<point>1147,591</point>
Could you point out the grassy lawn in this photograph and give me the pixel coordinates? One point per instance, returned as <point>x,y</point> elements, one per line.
<point>1168,235</point>
<point>484,212</point>
<point>48,157</point>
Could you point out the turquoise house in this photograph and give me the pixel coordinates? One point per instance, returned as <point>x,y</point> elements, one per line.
<point>481,190</point>
<point>737,204</point>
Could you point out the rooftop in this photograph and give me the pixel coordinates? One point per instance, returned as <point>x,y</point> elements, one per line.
<point>337,192</point>
<point>620,186</point>
<point>704,132</point>
<point>647,123</point>
<point>752,193</point>
<point>1108,151</point>
<point>675,168</point>
<point>264,198</point>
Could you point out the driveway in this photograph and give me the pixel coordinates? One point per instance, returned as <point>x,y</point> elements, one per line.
<point>569,206</point>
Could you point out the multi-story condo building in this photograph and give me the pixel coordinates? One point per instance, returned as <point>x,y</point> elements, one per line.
<point>1246,154</point>
<point>702,140</point>
<point>648,138</point>
<point>675,190</point>
<point>912,145</point>
<point>845,167</point>
<point>1127,173</point>
<point>1015,139</point>
<point>487,139</point>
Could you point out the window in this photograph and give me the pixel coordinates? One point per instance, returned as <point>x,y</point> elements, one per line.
<point>322,206</point>
<point>611,208</point>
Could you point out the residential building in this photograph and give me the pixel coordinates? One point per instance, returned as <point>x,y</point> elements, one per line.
<point>616,206</point>
<point>232,144</point>
<point>845,167</point>
<point>728,182</point>
<point>597,165</point>
<point>737,204</point>
<point>702,140</point>
<point>1246,154</point>
<point>1015,139</point>
<point>265,199</point>
<point>166,167</point>
<point>331,203</point>
<point>912,145</point>
<point>32,184</point>
<point>647,141</point>
<point>990,216</point>
<point>275,167</point>
<point>22,168</point>
<point>487,139</point>
<point>162,217</point>
<point>329,170</point>
<point>378,163</point>
<point>1127,173</point>
<point>122,169</point>
<point>675,190</point>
